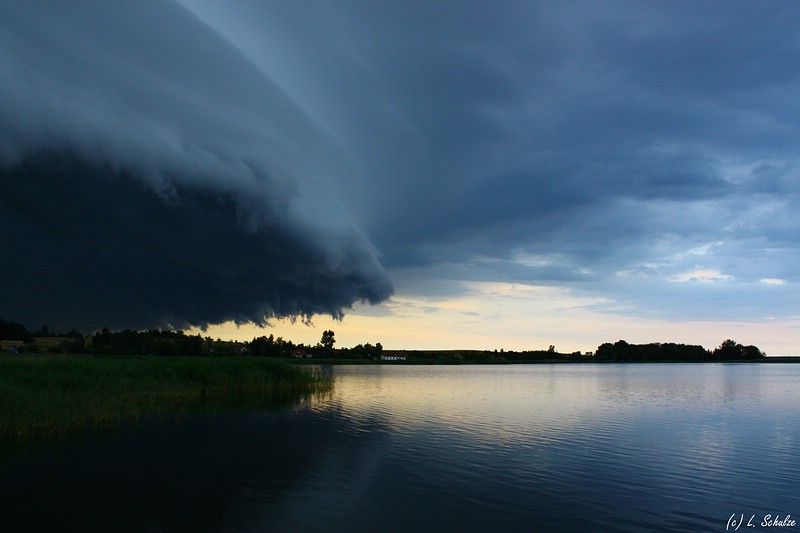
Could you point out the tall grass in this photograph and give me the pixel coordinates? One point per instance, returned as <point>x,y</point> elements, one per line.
<point>51,395</point>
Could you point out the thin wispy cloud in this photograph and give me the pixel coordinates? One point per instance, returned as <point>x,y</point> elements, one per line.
<point>701,275</point>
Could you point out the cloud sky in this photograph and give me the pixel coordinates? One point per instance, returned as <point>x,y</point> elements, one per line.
<point>630,167</point>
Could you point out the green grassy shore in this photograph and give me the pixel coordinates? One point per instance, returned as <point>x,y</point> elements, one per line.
<point>43,395</point>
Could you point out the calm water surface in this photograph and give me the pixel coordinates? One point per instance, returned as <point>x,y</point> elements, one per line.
<point>649,447</point>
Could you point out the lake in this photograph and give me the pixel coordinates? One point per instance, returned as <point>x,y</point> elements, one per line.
<point>561,447</point>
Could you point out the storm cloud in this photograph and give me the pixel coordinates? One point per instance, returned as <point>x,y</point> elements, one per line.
<point>256,159</point>
<point>151,176</point>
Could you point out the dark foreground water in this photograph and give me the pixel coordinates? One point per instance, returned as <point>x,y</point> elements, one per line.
<point>651,447</point>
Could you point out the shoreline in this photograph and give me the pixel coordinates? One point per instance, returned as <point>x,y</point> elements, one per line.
<point>777,359</point>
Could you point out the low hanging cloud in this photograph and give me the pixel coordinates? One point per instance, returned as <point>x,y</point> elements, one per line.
<point>150,175</point>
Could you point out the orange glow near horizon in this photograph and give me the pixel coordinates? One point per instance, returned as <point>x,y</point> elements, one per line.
<point>516,317</point>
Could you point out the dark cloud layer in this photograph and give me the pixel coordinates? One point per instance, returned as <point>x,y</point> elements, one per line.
<point>610,147</point>
<point>90,246</point>
<point>152,176</point>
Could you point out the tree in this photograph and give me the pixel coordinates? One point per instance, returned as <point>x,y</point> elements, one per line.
<point>261,346</point>
<point>327,340</point>
<point>729,349</point>
<point>753,352</point>
<point>14,331</point>
<point>622,350</point>
<point>605,352</point>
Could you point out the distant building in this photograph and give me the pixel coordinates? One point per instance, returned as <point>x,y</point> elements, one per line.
<point>300,353</point>
<point>393,355</point>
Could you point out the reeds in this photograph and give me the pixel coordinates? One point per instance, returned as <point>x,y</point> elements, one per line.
<point>52,395</point>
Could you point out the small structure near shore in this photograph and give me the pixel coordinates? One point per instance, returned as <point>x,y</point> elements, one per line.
<point>392,355</point>
<point>11,346</point>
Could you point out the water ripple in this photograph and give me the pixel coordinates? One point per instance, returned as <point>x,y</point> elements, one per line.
<point>638,447</point>
<point>628,448</point>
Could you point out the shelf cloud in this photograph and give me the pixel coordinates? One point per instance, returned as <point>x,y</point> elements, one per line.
<point>152,176</point>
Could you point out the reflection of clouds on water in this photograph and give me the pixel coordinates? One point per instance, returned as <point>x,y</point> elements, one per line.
<point>332,490</point>
<point>471,401</point>
<point>622,447</point>
<point>510,405</point>
<point>344,463</point>
<point>658,436</point>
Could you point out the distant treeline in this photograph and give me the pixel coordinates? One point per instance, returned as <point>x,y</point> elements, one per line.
<point>160,342</point>
<point>620,351</point>
<point>105,342</point>
<point>125,342</point>
<point>167,342</point>
<point>494,356</point>
<point>729,350</point>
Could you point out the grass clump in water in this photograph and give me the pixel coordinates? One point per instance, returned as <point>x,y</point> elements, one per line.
<point>51,395</point>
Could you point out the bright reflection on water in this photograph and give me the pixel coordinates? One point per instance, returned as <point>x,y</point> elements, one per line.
<point>651,447</point>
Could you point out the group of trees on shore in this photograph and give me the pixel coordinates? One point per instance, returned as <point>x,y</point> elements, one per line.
<point>14,331</point>
<point>167,342</point>
<point>729,350</point>
<point>161,342</point>
<point>124,342</point>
